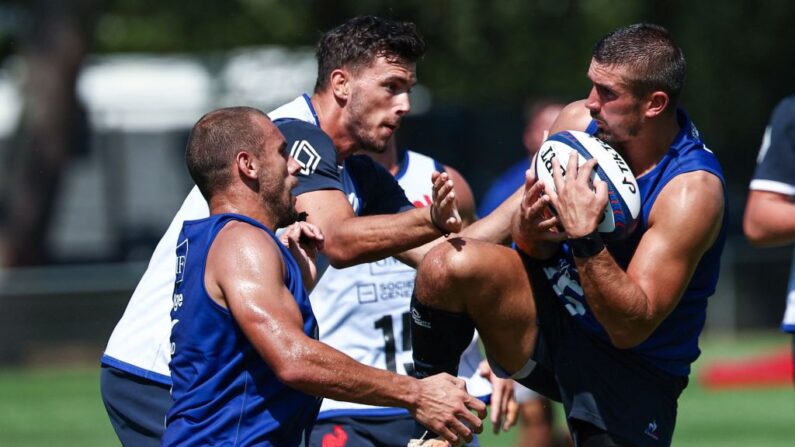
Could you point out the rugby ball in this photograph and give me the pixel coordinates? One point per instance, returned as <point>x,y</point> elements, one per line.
<point>623,203</point>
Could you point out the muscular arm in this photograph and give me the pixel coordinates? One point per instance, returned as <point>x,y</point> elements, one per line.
<point>352,239</point>
<point>245,271</point>
<point>496,227</point>
<point>466,208</point>
<point>630,305</point>
<point>769,218</point>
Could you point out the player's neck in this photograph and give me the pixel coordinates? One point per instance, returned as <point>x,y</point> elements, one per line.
<point>651,145</point>
<point>329,113</point>
<point>388,159</point>
<point>245,204</point>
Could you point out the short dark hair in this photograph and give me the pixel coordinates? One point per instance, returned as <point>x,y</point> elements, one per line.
<point>651,54</point>
<point>215,140</point>
<point>359,41</point>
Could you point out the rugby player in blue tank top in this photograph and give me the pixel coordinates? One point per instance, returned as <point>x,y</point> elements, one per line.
<point>366,68</point>
<point>245,363</point>
<point>620,357</point>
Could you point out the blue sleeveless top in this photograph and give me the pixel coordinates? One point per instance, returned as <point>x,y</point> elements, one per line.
<point>224,393</point>
<point>673,346</point>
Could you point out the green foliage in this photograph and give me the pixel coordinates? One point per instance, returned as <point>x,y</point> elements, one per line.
<point>489,55</point>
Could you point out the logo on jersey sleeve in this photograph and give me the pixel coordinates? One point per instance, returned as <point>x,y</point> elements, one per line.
<point>306,156</point>
<point>651,430</point>
<point>182,258</point>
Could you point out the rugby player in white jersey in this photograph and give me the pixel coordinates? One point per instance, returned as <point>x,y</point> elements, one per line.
<point>364,311</point>
<point>366,68</point>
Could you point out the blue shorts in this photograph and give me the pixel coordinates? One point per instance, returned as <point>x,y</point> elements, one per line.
<point>382,431</point>
<point>613,390</point>
<point>136,407</point>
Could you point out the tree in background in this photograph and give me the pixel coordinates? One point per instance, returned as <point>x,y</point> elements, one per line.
<point>52,47</point>
<point>483,60</point>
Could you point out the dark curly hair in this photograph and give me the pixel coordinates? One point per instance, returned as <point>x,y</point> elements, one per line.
<point>359,41</point>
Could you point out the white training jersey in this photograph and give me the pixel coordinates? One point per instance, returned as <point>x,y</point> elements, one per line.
<point>364,310</point>
<point>140,343</point>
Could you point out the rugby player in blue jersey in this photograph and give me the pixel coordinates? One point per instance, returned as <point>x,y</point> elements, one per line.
<point>246,365</point>
<point>608,328</point>
<point>366,68</point>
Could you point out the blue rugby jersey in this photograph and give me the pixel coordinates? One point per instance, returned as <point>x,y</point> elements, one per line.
<point>140,341</point>
<point>224,392</point>
<point>673,346</point>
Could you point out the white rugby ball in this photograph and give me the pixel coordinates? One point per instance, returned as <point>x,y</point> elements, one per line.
<point>623,204</point>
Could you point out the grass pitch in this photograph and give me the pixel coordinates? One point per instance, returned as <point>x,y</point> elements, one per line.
<point>61,406</point>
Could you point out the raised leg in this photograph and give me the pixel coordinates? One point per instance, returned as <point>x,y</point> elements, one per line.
<point>465,280</point>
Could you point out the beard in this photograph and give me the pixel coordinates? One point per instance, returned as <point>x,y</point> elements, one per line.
<point>614,139</point>
<point>283,209</point>
<point>604,135</point>
<point>286,217</point>
<point>279,201</point>
<point>357,127</point>
<point>367,143</point>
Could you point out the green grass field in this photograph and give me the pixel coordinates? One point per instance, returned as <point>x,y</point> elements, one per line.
<point>61,406</point>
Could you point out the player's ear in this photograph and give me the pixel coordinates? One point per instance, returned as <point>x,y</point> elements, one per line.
<point>657,103</point>
<point>247,164</point>
<point>340,80</point>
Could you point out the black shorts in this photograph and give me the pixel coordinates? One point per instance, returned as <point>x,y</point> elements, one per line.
<point>614,390</point>
<point>381,431</point>
<point>136,407</point>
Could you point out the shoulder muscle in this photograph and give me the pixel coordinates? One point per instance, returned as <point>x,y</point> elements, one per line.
<point>242,256</point>
<point>573,117</point>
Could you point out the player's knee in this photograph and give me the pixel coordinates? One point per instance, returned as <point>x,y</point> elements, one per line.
<point>442,274</point>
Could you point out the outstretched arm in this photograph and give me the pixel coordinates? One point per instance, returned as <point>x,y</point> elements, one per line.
<point>494,228</point>
<point>353,240</point>
<point>245,273</point>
